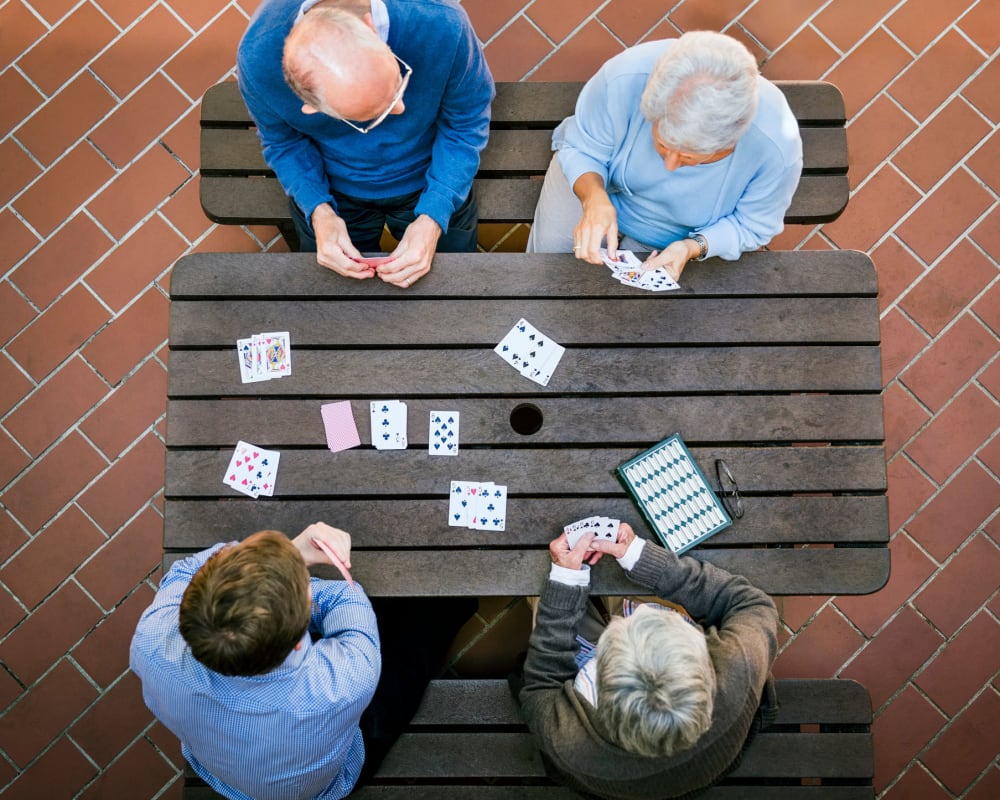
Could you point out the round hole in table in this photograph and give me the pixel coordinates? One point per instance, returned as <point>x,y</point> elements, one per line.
<point>526,419</point>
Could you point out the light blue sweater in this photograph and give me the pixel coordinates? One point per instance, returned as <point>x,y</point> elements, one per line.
<point>432,147</point>
<point>737,203</point>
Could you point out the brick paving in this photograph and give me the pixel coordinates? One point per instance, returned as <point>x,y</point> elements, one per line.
<point>98,197</point>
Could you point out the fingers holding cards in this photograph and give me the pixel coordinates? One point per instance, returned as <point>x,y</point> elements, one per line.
<point>630,271</point>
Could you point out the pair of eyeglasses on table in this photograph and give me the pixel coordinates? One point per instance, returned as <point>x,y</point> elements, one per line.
<point>729,490</point>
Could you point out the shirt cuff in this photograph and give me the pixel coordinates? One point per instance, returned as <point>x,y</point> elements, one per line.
<point>570,577</point>
<point>628,560</point>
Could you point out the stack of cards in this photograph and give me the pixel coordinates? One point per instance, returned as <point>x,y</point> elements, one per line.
<point>627,269</point>
<point>442,439</point>
<point>252,470</point>
<point>264,356</point>
<point>341,430</point>
<point>605,528</point>
<point>480,506</point>
<point>388,424</point>
<point>530,352</point>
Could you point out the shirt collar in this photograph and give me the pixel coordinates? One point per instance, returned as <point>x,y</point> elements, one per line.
<point>380,16</point>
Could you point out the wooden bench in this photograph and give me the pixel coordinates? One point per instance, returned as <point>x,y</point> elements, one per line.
<point>467,742</point>
<point>238,188</point>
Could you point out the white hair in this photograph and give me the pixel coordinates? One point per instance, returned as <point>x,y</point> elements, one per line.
<point>655,682</point>
<point>702,93</point>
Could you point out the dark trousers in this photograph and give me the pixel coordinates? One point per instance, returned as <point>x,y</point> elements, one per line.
<point>414,634</point>
<point>366,218</point>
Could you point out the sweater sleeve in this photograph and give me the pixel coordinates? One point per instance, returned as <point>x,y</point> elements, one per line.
<point>552,647</point>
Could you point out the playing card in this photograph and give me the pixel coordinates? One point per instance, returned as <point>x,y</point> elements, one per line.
<point>530,352</point>
<point>373,261</point>
<point>458,503</point>
<point>246,352</point>
<point>252,470</point>
<point>604,527</point>
<point>542,373</point>
<point>491,508</point>
<point>622,259</point>
<point>341,430</point>
<point>442,439</point>
<point>513,346</point>
<point>388,418</point>
<point>657,280</point>
<point>276,354</point>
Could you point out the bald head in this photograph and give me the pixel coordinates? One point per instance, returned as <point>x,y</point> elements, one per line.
<point>336,63</point>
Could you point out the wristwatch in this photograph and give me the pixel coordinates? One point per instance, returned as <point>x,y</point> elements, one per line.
<point>702,243</point>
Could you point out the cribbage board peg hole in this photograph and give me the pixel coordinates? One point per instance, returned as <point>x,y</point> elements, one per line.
<point>526,419</point>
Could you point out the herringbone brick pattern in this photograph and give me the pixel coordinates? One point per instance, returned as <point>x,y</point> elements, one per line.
<point>99,196</point>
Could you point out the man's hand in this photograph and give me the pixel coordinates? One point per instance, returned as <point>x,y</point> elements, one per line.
<point>599,220</point>
<point>563,556</point>
<point>673,258</point>
<point>334,249</point>
<point>319,541</point>
<point>617,548</point>
<point>411,259</point>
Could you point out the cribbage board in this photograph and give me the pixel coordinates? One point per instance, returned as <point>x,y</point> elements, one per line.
<point>673,495</point>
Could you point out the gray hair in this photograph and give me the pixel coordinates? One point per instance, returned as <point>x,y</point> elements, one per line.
<point>655,683</point>
<point>702,93</point>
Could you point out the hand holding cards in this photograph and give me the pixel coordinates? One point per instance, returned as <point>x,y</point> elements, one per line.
<point>252,470</point>
<point>603,527</point>
<point>530,352</point>
<point>264,356</point>
<point>627,269</point>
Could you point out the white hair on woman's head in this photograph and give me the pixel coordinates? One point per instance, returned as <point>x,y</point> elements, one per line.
<point>702,93</point>
<point>655,682</point>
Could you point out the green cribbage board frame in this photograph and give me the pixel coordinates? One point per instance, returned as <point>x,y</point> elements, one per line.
<point>680,521</point>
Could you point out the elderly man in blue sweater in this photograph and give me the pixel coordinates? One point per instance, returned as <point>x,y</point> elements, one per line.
<point>371,113</point>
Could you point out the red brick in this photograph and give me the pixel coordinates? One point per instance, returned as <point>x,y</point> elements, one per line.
<point>12,458</point>
<point>956,433</point>
<point>944,215</point>
<point>55,406</point>
<point>873,136</point>
<point>61,772</point>
<point>18,170</point>
<point>950,362</point>
<point>127,486</point>
<point>917,22</point>
<point>900,732</point>
<point>54,335</point>
<point>908,491</point>
<point>580,57</point>
<point>139,120</point>
<point>872,210</point>
<point>51,557</point>
<point>117,718</point>
<point>128,412</point>
<point>901,342</point>
<point>805,57</point>
<point>184,210</point>
<point>20,98</point>
<point>985,162</point>
<point>987,308</point>
<point>629,20</point>
<point>17,240</point>
<point>771,23</point>
<point>910,569</point>
<point>20,28</point>
<point>53,481</point>
<point>941,143</point>
<point>125,560</point>
<point>956,512</point>
<point>11,613</point>
<point>138,190</point>
<point>49,632</point>
<point>15,312</point>
<point>13,384</point>
<point>965,583</point>
<point>557,20</point>
<point>65,118</point>
<point>184,139</point>
<point>140,772</point>
<point>948,288</point>
<point>139,330</point>
<point>10,689</point>
<point>712,15</point>
<point>11,537</point>
<point>988,787</point>
<point>846,22</point>
<point>990,456</point>
<point>39,717</point>
<point>935,75</point>
<point>140,51</point>
<point>57,264</point>
<point>903,417</point>
<point>888,661</point>
<point>227,239</point>
<point>124,12</point>
<point>166,742</point>
<point>67,48</point>
<point>968,746</point>
<point>791,237</point>
<point>197,12</point>
<point>513,53</point>
<point>987,234</point>
<point>136,263</point>
<point>916,783</point>
<point>796,610</point>
<point>67,184</point>
<point>103,655</point>
<point>821,649</point>
<point>965,666</point>
<point>981,90</point>
<point>866,71</point>
<point>208,58</point>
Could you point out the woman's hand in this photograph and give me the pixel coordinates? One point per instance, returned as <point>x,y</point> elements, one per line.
<point>599,221</point>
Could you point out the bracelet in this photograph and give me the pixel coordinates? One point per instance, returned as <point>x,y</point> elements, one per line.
<point>702,243</point>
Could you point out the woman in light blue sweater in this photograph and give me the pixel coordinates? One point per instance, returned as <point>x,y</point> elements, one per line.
<point>677,146</point>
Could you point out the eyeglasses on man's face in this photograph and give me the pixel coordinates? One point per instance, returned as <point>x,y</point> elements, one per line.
<point>404,82</point>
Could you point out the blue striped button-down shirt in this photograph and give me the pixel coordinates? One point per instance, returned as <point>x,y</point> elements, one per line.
<point>289,734</point>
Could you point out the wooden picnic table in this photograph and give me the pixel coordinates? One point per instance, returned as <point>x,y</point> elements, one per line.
<point>770,363</point>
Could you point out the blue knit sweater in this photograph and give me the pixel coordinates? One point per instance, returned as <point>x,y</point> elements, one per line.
<point>433,147</point>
